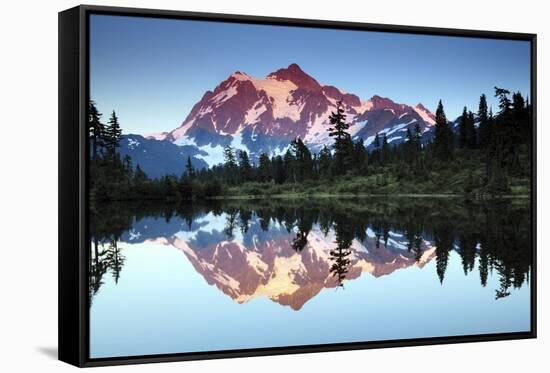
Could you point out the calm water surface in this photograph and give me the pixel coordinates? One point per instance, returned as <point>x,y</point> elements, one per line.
<point>247,274</point>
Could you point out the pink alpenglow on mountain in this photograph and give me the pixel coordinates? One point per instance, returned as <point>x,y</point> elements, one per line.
<point>265,114</point>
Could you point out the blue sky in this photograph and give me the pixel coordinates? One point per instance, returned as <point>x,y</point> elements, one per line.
<point>152,71</point>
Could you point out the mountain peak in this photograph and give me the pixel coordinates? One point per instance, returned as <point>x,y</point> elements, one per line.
<point>294,66</point>
<point>296,75</point>
<point>379,102</point>
<point>419,106</point>
<point>377,98</point>
<point>262,115</point>
<point>237,75</point>
<point>426,115</point>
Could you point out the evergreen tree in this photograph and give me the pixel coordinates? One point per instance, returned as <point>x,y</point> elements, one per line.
<point>140,177</point>
<point>279,173</point>
<point>113,134</point>
<point>288,161</point>
<point>360,156</point>
<point>303,165</point>
<point>325,159</point>
<point>231,168</point>
<point>409,147</point>
<point>508,137</point>
<point>471,133</point>
<point>522,122</point>
<point>385,149</point>
<point>462,131</point>
<point>96,129</point>
<point>484,125</point>
<point>229,157</point>
<point>443,139</point>
<point>245,169</point>
<point>343,146</point>
<point>491,145</point>
<point>375,154</point>
<point>264,168</point>
<point>376,141</point>
<point>518,105</point>
<point>504,103</point>
<point>189,170</point>
<point>417,138</point>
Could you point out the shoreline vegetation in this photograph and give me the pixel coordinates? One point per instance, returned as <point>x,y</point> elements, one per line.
<point>485,157</point>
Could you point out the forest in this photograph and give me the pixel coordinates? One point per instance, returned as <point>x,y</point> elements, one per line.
<point>487,155</point>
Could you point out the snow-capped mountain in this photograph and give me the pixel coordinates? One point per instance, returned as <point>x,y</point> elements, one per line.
<point>265,114</point>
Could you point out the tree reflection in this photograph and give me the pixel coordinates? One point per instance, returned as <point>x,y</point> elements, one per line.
<point>231,223</point>
<point>304,222</point>
<point>443,236</point>
<point>493,237</point>
<point>105,256</point>
<point>114,258</point>
<point>244,217</point>
<point>340,255</point>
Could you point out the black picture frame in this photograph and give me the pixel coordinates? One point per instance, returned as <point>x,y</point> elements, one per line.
<point>73,185</point>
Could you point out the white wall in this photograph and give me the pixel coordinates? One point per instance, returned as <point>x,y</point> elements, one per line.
<point>28,196</point>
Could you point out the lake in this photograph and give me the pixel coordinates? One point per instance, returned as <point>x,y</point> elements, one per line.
<point>240,274</point>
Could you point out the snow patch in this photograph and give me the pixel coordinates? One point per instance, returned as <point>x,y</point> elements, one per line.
<point>211,223</point>
<point>369,140</point>
<point>157,136</point>
<point>395,234</point>
<point>389,131</point>
<point>397,245</point>
<point>253,114</point>
<point>203,111</point>
<point>357,126</point>
<point>184,140</point>
<point>317,133</point>
<point>364,107</point>
<point>133,235</point>
<point>280,93</point>
<point>179,132</point>
<point>237,143</point>
<point>133,143</point>
<point>425,115</point>
<point>214,154</point>
<point>371,233</point>
<point>224,95</point>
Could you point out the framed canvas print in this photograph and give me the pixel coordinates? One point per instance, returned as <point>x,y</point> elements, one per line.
<point>239,186</point>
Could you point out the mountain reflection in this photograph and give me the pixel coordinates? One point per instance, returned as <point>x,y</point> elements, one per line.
<point>291,250</point>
